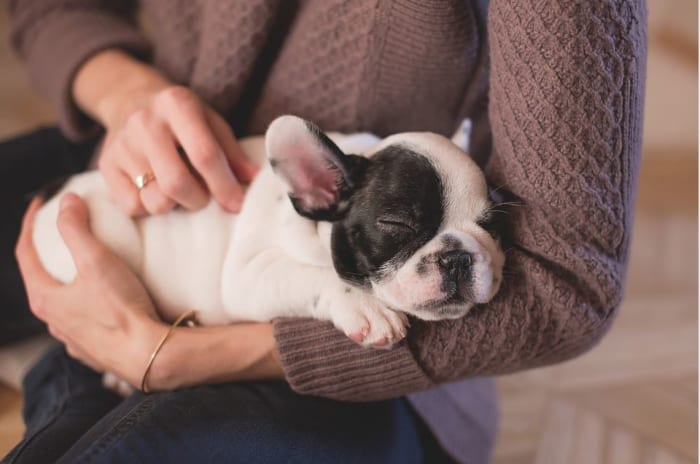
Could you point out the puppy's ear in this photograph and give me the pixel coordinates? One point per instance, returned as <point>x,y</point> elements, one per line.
<point>319,176</point>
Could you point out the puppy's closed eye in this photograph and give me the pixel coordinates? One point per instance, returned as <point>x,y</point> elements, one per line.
<point>395,225</point>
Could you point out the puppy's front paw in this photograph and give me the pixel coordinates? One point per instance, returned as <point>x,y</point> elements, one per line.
<point>368,321</point>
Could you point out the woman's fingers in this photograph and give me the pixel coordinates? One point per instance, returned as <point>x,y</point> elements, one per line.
<point>244,169</point>
<point>154,200</point>
<point>29,263</point>
<point>146,142</point>
<point>102,282</point>
<point>121,185</point>
<point>172,176</point>
<point>121,179</point>
<point>192,129</point>
<point>155,154</point>
<point>89,254</point>
<point>39,284</point>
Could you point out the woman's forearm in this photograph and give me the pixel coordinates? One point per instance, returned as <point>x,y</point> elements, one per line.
<point>107,84</point>
<point>206,355</point>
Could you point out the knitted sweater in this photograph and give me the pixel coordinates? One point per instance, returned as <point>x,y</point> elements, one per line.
<point>556,98</point>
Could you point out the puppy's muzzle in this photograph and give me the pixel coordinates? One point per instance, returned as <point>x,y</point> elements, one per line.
<point>456,270</point>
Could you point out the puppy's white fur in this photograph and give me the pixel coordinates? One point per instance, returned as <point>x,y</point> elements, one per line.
<point>263,263</point>
<point>268,261</point>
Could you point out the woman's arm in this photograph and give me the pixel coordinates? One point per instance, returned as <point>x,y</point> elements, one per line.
<point>207,355</point>
<point>566,101</point>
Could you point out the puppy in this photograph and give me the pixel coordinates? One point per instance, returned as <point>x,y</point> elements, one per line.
<point>347,228</point>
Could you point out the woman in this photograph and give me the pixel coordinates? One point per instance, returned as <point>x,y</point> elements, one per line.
<point>565,89</point>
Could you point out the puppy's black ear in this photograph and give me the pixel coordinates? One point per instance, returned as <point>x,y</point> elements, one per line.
<point>319,176</point>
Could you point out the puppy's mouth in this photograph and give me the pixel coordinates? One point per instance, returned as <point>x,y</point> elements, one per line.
<point>451,298</point>
<point>453,303</point>
<point>449,308</point>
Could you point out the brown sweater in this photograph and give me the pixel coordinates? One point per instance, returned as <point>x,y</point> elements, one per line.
<point>566,88</point>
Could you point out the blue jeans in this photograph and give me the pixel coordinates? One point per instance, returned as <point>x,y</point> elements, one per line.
<point>71,419</point>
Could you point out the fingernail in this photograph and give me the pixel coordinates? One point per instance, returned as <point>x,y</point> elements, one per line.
<point>65,202</point>
<point>234,205</point>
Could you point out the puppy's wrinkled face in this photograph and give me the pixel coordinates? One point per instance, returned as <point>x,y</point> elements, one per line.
<point>417,229</point>
<point>410,217</point>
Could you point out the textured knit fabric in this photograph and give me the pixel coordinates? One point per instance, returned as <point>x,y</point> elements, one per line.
<point>566,86</point>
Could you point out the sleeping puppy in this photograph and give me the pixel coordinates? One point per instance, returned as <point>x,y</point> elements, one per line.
<point>347,228</point>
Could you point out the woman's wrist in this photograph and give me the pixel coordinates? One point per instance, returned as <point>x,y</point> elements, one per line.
<point>144,332</point>
<point>209,355</point>
<point>111,85</point>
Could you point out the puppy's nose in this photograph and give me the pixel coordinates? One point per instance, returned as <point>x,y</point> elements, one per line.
<point>457,263</point>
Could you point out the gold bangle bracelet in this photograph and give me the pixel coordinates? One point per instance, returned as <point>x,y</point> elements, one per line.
<point>187,317</point>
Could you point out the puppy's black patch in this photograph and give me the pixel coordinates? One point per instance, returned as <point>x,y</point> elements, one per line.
<point>396,208</point>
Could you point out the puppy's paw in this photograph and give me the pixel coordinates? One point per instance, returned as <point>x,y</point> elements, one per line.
<point>369,322</point>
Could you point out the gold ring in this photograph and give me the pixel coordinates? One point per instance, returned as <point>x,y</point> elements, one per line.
<point>143,180</point>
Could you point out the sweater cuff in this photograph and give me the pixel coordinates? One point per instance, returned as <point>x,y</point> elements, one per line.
<point>61,43</point>
<point>319,360</point>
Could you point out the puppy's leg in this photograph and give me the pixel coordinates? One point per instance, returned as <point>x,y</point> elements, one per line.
<point>272,284</point>
<point>362,317</point>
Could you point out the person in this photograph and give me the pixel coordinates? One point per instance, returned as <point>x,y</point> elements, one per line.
<point>555,93</point>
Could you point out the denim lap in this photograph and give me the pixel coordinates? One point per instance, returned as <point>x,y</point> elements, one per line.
<point>249,423</point>
<point>72,419</point>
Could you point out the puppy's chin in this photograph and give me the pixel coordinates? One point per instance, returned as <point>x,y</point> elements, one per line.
<point>438,312</point>
<point>425,296</point>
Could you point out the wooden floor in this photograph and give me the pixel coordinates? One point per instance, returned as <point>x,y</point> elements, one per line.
<point>633,399</point>
<point>11,426</point>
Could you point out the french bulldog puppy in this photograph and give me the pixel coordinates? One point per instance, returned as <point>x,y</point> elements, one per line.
<point>347,228</point>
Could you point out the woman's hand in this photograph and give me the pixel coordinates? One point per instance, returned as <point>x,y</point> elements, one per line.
<point>160,129</point>
<point>107,320</point>
<point>104,317</point>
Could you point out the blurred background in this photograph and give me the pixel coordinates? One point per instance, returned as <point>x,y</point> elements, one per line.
<point>633,399</point>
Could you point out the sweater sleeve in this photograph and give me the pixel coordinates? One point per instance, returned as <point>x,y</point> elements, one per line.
<point>55,37</point>
<point>566,100</point>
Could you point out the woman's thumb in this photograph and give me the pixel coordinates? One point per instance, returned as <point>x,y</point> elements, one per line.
<point>74,226</point>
